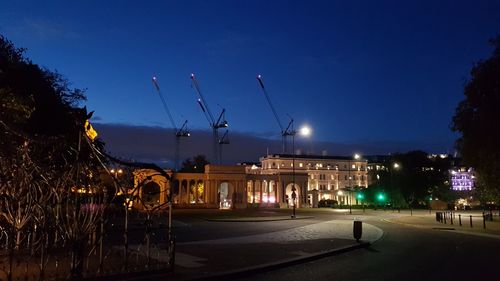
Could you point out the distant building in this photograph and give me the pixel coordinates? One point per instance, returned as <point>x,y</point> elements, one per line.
<point>462,179</point>
<point>328,177</point>
<point>268,183</point>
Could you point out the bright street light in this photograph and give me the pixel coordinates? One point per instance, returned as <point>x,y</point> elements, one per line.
<point>305,131</point>
<point>396,166</point>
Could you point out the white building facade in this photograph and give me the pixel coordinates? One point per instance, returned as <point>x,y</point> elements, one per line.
<point>328,177</point>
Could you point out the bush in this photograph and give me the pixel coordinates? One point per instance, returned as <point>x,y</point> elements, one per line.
<point>327,203</point>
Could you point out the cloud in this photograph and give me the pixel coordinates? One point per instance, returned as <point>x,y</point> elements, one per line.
<point>156,144</point>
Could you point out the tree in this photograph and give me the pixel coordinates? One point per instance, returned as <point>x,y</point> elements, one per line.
<point>416,178</point>
<point>196,165</point>
<point>476,119</point>
<point>37,104</point>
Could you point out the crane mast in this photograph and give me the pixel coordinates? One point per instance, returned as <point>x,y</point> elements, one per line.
<point>179,133</point>
<point>213,123</point>
<point>285,132</point>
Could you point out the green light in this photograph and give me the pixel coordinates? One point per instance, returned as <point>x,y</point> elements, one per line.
<point>360,196</point>
<point>381,197</point>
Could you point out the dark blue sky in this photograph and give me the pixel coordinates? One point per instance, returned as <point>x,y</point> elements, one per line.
<point>356,72</point>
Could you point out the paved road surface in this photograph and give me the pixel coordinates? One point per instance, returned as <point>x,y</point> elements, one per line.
<point>404,253</point>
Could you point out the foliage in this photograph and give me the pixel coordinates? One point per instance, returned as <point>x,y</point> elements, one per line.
<point>195,165</point>
<point>476,120</point>
<point>327,203</point>
<point>417,178</point>
<point>37,104</point>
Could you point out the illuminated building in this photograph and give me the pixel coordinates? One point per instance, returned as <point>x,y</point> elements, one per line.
<point>462,179</point>
<point>266,185</point>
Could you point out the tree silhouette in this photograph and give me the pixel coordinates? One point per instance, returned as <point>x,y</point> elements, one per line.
<point>476,119</point>
<point>196,165</point>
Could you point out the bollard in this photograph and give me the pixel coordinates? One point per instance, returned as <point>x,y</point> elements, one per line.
<point>471,221</point>
<point>460,220</point>
<point>357,230</point>
<point>484,221</point>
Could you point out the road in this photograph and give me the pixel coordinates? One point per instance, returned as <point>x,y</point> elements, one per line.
<point>404,253</point>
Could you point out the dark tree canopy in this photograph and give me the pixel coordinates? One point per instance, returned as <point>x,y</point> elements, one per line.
<point>195,165</point>
<point>476,119</point>
<point>34,99</point>
<point>417,178</point>
<point>39,107</point>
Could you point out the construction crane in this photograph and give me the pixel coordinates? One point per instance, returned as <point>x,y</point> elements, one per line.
<point>223,140</point>
<point>179,133</point>
<point>285,132</point>
<point>221,122</point>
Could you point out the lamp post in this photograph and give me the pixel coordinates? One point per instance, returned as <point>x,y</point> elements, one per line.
<point>349,190</point>
<point>117,172</point>
<point>294,195</point>
<point>304,131</point>
<point>395,166</point>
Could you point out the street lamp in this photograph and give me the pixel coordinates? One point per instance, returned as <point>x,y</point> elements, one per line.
<point>306,132</point>
<point>116,172</point>
<point>349,190</point>
<point>395,166</point>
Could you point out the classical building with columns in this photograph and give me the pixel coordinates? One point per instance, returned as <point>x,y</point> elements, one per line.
<point>272,183</point>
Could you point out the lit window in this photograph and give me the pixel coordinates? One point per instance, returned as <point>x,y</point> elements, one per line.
<point>301,165</point>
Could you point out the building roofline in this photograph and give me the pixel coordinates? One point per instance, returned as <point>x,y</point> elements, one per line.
<point>319,157</point>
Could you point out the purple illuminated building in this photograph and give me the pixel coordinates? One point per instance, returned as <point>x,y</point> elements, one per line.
<point>462,179</point>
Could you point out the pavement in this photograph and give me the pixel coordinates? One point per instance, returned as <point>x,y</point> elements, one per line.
<point>228,258</point>
<point>461,223</point>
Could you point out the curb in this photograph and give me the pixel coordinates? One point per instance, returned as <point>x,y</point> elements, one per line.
<point>451,229</point>
<point>258,220</point>
<point>228,275</point>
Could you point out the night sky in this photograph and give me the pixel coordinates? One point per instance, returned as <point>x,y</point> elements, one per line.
<point>357,72</point>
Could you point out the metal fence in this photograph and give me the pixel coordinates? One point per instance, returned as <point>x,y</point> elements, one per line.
<point>117,246</point>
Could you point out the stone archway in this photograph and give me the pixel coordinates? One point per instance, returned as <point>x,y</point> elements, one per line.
<point>184,192</point>
<point>288,195</point>
<point>225,193</point>
<point>175,191</point>
<point>150,194</point>
<point>193,194</point>
<point>200,191</point>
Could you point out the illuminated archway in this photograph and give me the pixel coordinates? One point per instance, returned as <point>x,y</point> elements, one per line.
<point>225,195</point>
<point>151,193</point>
<point>288,195</point>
